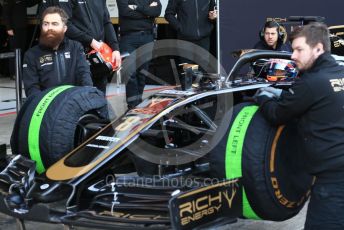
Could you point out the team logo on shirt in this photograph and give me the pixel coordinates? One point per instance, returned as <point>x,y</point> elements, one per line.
<point>337,84</point>
<point>67,54</point>
<point>46,58</point>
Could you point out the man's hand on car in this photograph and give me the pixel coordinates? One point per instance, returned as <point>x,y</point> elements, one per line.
<point>276,92</point>
<point>261,93</point>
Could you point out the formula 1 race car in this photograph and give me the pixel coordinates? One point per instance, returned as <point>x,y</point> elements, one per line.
<point>197,157</point>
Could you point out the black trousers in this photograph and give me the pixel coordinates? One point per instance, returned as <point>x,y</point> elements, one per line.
<point>135,83</point>
<point>18,41</point>
<point>100,82</point>
<point>326,206</point>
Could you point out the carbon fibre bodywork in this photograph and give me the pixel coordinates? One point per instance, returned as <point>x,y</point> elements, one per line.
<point>98,185</point>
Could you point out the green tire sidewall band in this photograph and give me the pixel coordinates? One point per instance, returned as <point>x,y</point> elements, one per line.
<point>35,125</point>
<point>234,147</point>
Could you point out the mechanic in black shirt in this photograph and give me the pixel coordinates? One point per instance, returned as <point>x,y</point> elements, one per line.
<point>15,20</point>
<point>56,60</point>
<point>272,38</point>
<point>136,20</point>
<point>317,101</point>
<point>89,23</point>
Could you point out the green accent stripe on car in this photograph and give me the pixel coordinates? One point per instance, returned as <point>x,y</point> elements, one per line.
<point>233,158</point>
<point>35,125</point>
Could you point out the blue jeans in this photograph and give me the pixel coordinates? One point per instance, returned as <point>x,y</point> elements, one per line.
<point>136,82</point>
<point>326,207</point>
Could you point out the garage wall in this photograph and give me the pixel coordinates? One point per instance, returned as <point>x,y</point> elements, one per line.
<point>241,20</point>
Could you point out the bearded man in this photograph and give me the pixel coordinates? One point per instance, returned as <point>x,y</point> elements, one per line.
<point>56,60</point>
<point>316,102</point>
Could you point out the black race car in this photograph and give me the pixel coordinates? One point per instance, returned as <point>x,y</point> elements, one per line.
<point>181,159</point>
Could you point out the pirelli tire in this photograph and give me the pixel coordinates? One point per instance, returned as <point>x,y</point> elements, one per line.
<point>269,160</point>
<point>45,126</point>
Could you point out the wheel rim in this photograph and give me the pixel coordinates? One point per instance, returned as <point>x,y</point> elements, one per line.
<point>82,133</point>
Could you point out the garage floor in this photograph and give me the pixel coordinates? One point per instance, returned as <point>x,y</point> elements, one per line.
<point>116,97</point>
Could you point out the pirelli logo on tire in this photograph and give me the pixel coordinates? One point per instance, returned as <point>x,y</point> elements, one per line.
<point>282,198</point>
<point>269,162</point>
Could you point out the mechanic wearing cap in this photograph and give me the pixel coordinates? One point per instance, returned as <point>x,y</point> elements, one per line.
<point>89,23</point>
<point>316,100</point>
<point>192,20</point>
<point>272,38</point>
<point>136,20</point>
<point>56,60</point>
